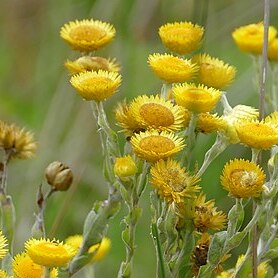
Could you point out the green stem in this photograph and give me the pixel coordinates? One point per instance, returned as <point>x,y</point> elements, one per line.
<point>274,88</point>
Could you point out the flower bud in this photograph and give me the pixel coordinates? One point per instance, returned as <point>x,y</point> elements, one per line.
<point>125,167</point>
<point>58,175</point>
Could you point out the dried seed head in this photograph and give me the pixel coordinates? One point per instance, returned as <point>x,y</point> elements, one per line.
<point>59,176</point>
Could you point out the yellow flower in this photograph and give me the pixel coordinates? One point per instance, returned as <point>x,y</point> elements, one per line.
<point>243,178</point>
<point>249,38</point>
<point>208,123</point>
<point>181,37</point>
<point>3,245</point>
<point>196,98</point>
<point>213,72</point>
<point>272,118</point>
<point>24,267</point>
<point>154,112</point>
<point>125,167</point>
<point>4,274</point>
<point>49,253</point>
<point>238,114</point>
<point>96,86</point>
<point>102,248</point>
<point>172,69</point>
<point>262,268</point>
<point>172,181</point>
<point>257,135</point>
<point>125,119</point>
<point>152,145</point>
<point>88,63</point>
<point>273,50</point>
<point>87,35</point>
<point>17,141</point>
<point>206,215</point>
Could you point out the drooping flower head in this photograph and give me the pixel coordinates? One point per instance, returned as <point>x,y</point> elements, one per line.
<point>24,267</point>
<point>153,146</point>
<point>249,38</point>
<point>49,253</point>
<point>181,37</point>
<point>257,134</point>
<point>154,112</point>
<point>238,114</point>
<point>89,63</point>
<point>196,98</point>
<point>208,123</point>
<point>87,35</point>
<point>206,215</point>
<point>172,181</point>
<point>98,86</point>
<point>125,167</point>
<point>172,69</point>
<point>17,141</point>
<point>243,178</point>
<point>102,248</point>
<point>213,72</point>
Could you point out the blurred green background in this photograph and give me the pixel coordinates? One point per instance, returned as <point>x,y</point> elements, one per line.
<point>35,93</point>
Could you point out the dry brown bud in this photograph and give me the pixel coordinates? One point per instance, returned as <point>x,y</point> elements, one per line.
<point>58,175</point>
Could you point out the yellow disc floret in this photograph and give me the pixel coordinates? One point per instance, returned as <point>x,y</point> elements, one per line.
<point>96,86</point>
<point>49,253</point>
<point>196,98</point>
<point>249,38</point>
<point>152,145</point>
<point>87,35</point>
<point>213,72</point>
<point>181,37</point>
<point>243,178</point>
<point>172,69</point>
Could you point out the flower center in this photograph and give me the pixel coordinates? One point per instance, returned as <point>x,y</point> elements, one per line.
<point>173,63</point>
<point>174,179</point>
<point>97,81</point>
<point>245,178</point>
<point>156,114</point>
<point>261,130</point>
<point>51,248</point>
<point>198,94</point>
<point>87,33</point>
<point>179,32</point>
<point>157,144</point>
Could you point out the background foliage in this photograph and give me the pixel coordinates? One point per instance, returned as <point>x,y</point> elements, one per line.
<point>35,93</point>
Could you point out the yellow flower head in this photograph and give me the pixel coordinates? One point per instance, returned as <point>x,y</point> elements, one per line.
<point>257,135</point>
<point>213,72</point>
<point>125,119</point>
<point>24,267</point>
<point>49,253</point>
<point>261,269</point>
<point>89,63</point>
<point>17,141</point>
<point>206,215</point>
<point>249,38</point>
<point>172,181</point>
<point>238,114</point>
<point>125,167</point>
<point>172,69</point>
<point>154,112</point>
<point>87,35</point>
<point>273,50</point>
<point>98,86</point>
<point>153,146</point>
<point>272,118</point>
<point>243,178</point>
<point>208,123</point>
<point>4,274</point>
<point>3,245</point>
<point>200,253</point>
<point>196,98</point>
<point>102,248</point>
<point>181,37</point>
